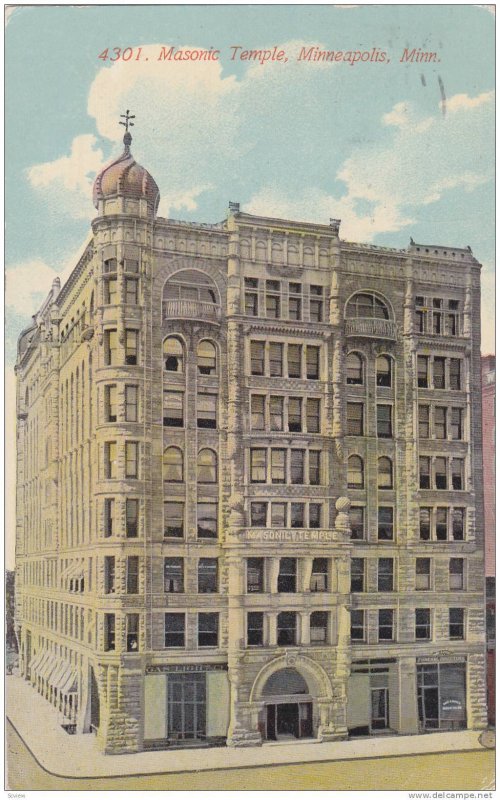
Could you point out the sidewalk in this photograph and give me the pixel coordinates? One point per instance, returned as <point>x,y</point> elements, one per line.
<point>36,721</point>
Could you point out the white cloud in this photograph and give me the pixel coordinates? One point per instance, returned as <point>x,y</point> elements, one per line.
<point>462,101</point>
<point>66,183</point>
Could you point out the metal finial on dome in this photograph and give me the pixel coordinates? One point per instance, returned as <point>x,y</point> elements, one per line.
<point>127,139</point>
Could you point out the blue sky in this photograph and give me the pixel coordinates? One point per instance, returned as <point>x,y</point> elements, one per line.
<point>369,143</point>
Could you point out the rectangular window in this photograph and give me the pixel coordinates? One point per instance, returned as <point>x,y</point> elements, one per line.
<point>423,422</point>
<point>109,516</point>
<point>287,628</point>
<point>132,574</point>
<point>455,374</point>
<point>458,524</point>
<point>251,297</point>
<point>131,347</point>
<point>173,519</point>
<point>287,576</point>
<point>131,291</point>
<point>294,360</point>
<point>440,473</point>
<point>275,359</point>
<point>313,415</point>
<point>110,403</point>
<point>110,291</point>
<point>423,574</point>
<point>319,575</point>
<point>206,411</point>
<point>356,518</point>
<point>456,573</point>
<point>295,414</point>
<point>110,265</point>
<point>315,515</point>
<point>318,627</point>
<point>297,466</point>
<point>278,466</point>
<point>423,372</point>
<point>255,575</point>
<point>297,519</point>
<point>131,403</point>
<point>207,575</point>
<point>384,422</point>
<point>385,523</point>
<point>440,422</point>
<point>131,459</point>
<point>424,464</point>
<point>255,628</point>
<point>110,347</point>
<point>276,413</point>
<point>316,304</point>
<point>207,520</point>
<point>456,424</point>
<point>441,524</point>
<point>110,465</point>
<point>130,265</point>
<point>295,301</point>
<point>273,299</point>
<point>109,574</point>
<point>173,409</point>
<point>357,625</point>
<point>357,575</point>
<point>109,632</point>
<point>257,355</point>
<point>258,465</point>
<point>258,515</point>
<point>312,362</point>
<point>386,625</point>
<point>457,623</point>
<point>438,372</point>
<point>278,515</point>
<point>258,419</point>
<point>314,468</point>
<point>422,623</point>
<point>132,632</point>
<point>385,578</point>
<point>175,630</point>
<point>457,473</point>
<point>355,419</point>
<point>208,630</point>
<point>173,575</point>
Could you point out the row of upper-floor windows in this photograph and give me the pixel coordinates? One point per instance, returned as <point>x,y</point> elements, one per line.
<point>286,466</point>
<point>173,465</point>
<point>118,292</point>
<point>174,356</point>
<point>385,578</point>
<point>355,420</point>
<point>356,473</point>
<point>174,409</point>
<point>441,472</point>
<point>285,359</point>
<point>441,422</point>
<point>279,299</point>
<point>387,625</point>
<point>67,619</point>
<point>442,523</point>
<point>356,368</point>
<point>285,413</point>
<point>439,372</point>
<point>438,316</point>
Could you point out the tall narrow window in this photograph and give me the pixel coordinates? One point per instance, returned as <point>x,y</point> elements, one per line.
<point>438,373</point>
<point>257,356</point>
<point>455,374</point>
<point>314,467</point>
<point>109,574</point>
<point>441,524</point>
<point>131,459</point>
<point>294,360</point>
<point>357,575</point>
<point>385,580</point>
<point>206,410</point>
<point>440,422</point>
<point>287,628</point>
<point>207,358</point>
<point>355,419</point>
<point>110,291</point>
<point>207,466</point>
<point>173,575</point>
<point>457,623</point>
<point>315,515</point>
<point>276,359</point>
<point>318,627</point>
<point>131,518</point>
<point>424,466</point>
<point>258,515</point>
<point>313,415</point>
<point>110,347</point>
<point>278,466</point>
<point>319,575</point>
<point>255,628</point>
<point>109,516</point>
<point>457,473</point>
<point>357,625</point>
<point>385,523</point>
<point>131,346</point>
<point>316,303</point>
<point>278,515</point>
<point>173,469</point>
<point>295,414</point>
<point>175,625</point>
<point>255,575</point>
<point>251,297</point>
<point>422,623</point>
<point>425,524</point>
<point>132,574</point>
<point>456,573</point>
<point>207,575</point>
<point>131,291</point>
<point>440,473</point>
<point>423,372</point>
<point>287,576</point>
<point>386,624</point>
<point>208,629</point>
<point>173,409</point>
<point>458,524</point>
<point>109,265</point>
<point>276,405</point>
<point>295,301</point>
<point>110,462</point>
<point>437,315</point>
<point>423,573</point>
<point>356,520</point>
<point>273,299</point>
<point>132,632</point>
<point>384,372</point>
<point>354,369</point>
<point>207,520</point>
<point>385,473</point>
<point>384,421</point>
<point>131,403</point>
<point>297,466</point>
<point>109,632</point>
<point>312,362</point>
<point>173,355</point>
<point>423,422</point>
<point>173,524</point>
<point>456,426</point>
<point>110,403</point>
<point>355,472</point>
<point>297,515</point>
<point>258,465</point>
<point>257,403</point>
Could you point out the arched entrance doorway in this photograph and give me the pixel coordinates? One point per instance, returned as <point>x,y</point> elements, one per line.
<point>289,707</point>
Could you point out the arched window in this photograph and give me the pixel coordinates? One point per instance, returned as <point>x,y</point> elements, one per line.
<point>367,306</point>
<point>355,472</point>
<point>354,369</point>
<point>207,466</point>
<point>173,465</point>
<point>384,473</point>
<point>384,371</point>
<point>207,361</point>
<point>173,354</point>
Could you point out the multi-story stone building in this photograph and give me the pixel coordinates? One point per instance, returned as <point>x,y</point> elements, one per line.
<point>250,482</point>
<point>489,430</point>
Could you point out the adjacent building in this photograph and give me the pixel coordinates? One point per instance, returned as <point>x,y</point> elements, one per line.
<point>489,431</point>
<point>249,481</point>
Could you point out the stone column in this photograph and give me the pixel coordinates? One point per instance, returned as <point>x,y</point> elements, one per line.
<point>272,630</point>
<point>272,574</point>
<point>307,565</point>
<point>241,731</point>
<point>305,628</point>
<point>408,712</point>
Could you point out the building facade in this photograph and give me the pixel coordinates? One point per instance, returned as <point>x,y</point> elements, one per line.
<point>489,432</point>
<point>250,482</point>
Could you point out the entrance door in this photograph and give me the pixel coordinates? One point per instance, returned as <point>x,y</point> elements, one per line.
<point>380,709</point>
<point>287,720</point>
<point>187,706</point>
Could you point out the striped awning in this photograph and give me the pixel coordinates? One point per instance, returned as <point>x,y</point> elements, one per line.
<point>57,672</point>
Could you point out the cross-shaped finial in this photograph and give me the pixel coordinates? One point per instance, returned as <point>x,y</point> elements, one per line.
<point>127,117</point>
